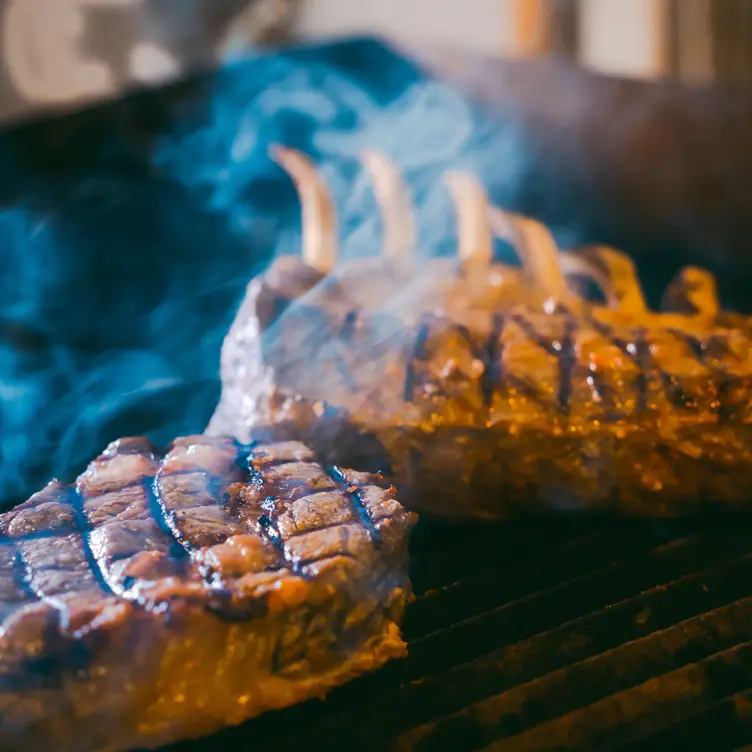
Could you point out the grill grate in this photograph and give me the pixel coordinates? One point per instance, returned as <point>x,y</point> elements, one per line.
<point>552,635</point>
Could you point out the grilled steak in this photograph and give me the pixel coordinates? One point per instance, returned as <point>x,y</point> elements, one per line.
<point>507,391</point>
<point>163,596</point>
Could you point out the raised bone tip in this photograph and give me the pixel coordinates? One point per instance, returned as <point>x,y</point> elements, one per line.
<point>396,206</point>
<point>472,207</point>
<point>319,223</point>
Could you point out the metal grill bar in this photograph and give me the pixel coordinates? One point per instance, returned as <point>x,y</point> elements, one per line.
<point>671,696</point>
<point>729,720</point>
<point>537,636</point>
<point>579,665</point>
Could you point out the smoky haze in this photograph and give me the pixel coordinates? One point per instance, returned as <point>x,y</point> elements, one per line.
<point>127,256</point>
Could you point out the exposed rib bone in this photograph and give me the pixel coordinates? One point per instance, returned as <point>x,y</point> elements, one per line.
<point>473,224</point>
<point>396,205</point>
<point>693,292</point>
<point>319,217</point>
<point>626,292</point>
<point>538,254</point>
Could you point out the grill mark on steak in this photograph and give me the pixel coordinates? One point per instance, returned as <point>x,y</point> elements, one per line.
<point>22,575</point>
<point>108,515</point>
<point>339,491</point>
<point>545,343</point>
<point>192,487</point>
<point>58,565</point>
<point>568,361</point>
<point>563,350</point>
<point>121,519</point>
<point>417,353</point>
<point>51,558</point>
<point>703,351</point>
<point>176,549</point>
<point>267,528</point>
<point>493,373</point>
<point>267,521</point>
<point>635,352</point>
<point>674,390</point>
<point>638,351</point>
<point>83,528</point>
<point>52,572</point>
<point>348,326</point>
<point>353,492</point>
<point>15,588</point>
<point>192,508</point>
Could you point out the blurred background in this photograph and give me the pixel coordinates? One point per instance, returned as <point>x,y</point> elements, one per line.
<point>693,40</point>
<point>58,52</point>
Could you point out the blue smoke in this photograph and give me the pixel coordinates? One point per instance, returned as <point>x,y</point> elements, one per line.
<point>130,231</point>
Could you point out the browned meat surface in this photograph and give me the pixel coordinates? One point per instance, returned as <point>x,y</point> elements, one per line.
<point>165,595</point>
<point>521,412</point>
<point>485,390</point>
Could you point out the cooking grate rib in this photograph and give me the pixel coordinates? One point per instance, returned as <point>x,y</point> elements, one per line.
<point>553,635</point>
<point>728,721</point>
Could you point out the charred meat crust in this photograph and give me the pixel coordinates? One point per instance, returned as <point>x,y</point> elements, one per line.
<point>491,413</point>
<point>166,595</point>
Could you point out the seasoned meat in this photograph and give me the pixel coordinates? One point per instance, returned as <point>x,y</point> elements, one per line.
<point>165,595</point>
<point>507,392</point>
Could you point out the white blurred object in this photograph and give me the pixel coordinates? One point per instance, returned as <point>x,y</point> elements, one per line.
<point>66,53</point>
<point>625,38</point>
<point>476,25</point>
<point>696,40</point>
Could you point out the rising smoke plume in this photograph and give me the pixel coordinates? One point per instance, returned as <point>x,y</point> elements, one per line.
<point>125,268</point>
